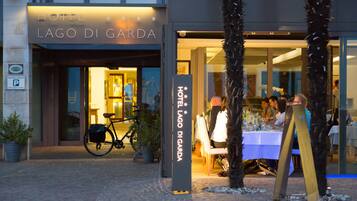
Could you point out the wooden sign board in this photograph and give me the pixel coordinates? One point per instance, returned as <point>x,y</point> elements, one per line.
<point>296,118</point>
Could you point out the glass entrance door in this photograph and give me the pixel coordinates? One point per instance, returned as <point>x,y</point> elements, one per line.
<point>72,108</point>
<point>346,96</point>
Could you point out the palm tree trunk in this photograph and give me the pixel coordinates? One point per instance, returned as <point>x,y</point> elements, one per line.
<point>234,49</point>
<point>318,16</point>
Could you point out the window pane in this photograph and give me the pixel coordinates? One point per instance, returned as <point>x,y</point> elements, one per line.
<point>287,64</point>
<point>151,88</point>
<point>141,1</point>
<point>71,130</point>
<point>351,106</point>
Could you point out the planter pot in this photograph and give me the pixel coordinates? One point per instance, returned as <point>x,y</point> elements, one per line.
<point>148,155</point>
<point>12,152</point>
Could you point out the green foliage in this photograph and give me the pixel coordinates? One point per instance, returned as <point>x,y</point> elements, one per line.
<point>150,129</point>
<point>14,129</point>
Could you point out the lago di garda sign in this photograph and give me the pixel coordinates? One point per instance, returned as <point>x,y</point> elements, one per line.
<point>95,25</point>
<point>182,125</point>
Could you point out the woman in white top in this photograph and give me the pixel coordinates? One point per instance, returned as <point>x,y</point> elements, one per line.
<point>219,134</point>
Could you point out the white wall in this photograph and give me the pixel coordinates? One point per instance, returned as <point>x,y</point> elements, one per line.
<point>352,83</point>
<point>97,92</point>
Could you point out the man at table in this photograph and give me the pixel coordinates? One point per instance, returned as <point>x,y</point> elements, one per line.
<point>300,99</point>
<point>219,134</point>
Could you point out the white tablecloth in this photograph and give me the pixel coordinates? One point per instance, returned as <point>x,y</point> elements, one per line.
<point>263,145</point>
<point>351,135</point>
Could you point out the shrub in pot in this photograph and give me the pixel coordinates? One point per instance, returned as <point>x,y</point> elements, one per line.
<point>150,134</point>
<point>14,133</point>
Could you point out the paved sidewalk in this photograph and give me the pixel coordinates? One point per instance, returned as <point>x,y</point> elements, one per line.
<point>121,179</point>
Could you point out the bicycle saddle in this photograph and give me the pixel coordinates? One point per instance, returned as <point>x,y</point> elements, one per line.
<point>108,115</point>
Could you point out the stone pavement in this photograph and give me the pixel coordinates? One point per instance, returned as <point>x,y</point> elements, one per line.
<point>119,178</point>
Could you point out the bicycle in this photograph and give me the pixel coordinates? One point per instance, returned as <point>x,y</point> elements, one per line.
<point>100,139</point>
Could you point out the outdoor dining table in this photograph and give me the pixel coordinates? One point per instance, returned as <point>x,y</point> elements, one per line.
<point>351,138</point>
<point>263,145</point>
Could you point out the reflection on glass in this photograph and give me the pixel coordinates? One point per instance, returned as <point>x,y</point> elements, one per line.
<point>142,1</point>
<point>151,88</point>
<point>71,130</point>
<point>351,106</point>
<point>215,73</point>
<point>255,60</point>
<point>287,64</point>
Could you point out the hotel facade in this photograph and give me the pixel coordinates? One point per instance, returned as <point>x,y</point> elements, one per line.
<point>67,62</point>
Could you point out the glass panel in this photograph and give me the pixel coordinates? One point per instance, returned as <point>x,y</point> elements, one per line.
<point>71,130</point>
<point>351,106</point>
<point>215,73</point>
<point>130,90</point>
<point>255,77</point>
<point>142,1</point>
<point>151,88</point>
<point>287,64</point>
<point>332,167</point>
<point>67,1</point>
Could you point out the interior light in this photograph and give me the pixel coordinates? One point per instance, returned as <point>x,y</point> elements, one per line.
<point>182,33</point>
<point>337,59</point>
<point>126,69</point>
<point>287,56</point>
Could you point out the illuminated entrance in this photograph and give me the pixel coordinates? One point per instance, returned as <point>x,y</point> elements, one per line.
<point>77,90</point>
<point>112,90</point>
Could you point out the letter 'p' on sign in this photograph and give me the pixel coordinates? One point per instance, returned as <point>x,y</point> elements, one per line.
<point>182,125</point>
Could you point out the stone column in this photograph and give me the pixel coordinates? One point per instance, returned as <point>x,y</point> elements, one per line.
<point>16,50</point>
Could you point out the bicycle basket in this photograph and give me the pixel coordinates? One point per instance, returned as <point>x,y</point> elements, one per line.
<point>97,132</point>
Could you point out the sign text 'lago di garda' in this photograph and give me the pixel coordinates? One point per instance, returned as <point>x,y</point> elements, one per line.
<point>95,25</point>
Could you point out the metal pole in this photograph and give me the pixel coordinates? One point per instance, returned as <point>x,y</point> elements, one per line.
<point>342,110</point>
<point>270,72</point>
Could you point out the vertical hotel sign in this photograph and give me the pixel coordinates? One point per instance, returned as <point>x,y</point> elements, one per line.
<point>182,125</point>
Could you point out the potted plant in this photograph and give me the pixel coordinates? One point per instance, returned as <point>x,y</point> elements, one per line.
<point>150,134</point>
<point>14,133</point>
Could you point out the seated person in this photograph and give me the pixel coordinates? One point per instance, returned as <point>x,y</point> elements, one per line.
<point>215,108</point>
<point>266,110</point>
<point>280,116</point>
<point>300,99</point>
<point>273,103</point>
<point>219,134</point>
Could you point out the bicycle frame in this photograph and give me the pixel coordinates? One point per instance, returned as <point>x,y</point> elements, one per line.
<point>112,122</point>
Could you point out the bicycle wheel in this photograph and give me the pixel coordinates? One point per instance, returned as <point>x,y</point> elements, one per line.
<point>134,141</point>
<point>99,148</point>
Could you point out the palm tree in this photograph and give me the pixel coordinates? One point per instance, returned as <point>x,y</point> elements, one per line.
<point>318,16</point>
<point>234,50</point>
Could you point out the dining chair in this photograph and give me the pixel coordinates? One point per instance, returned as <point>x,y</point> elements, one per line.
<point>208,152</point>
